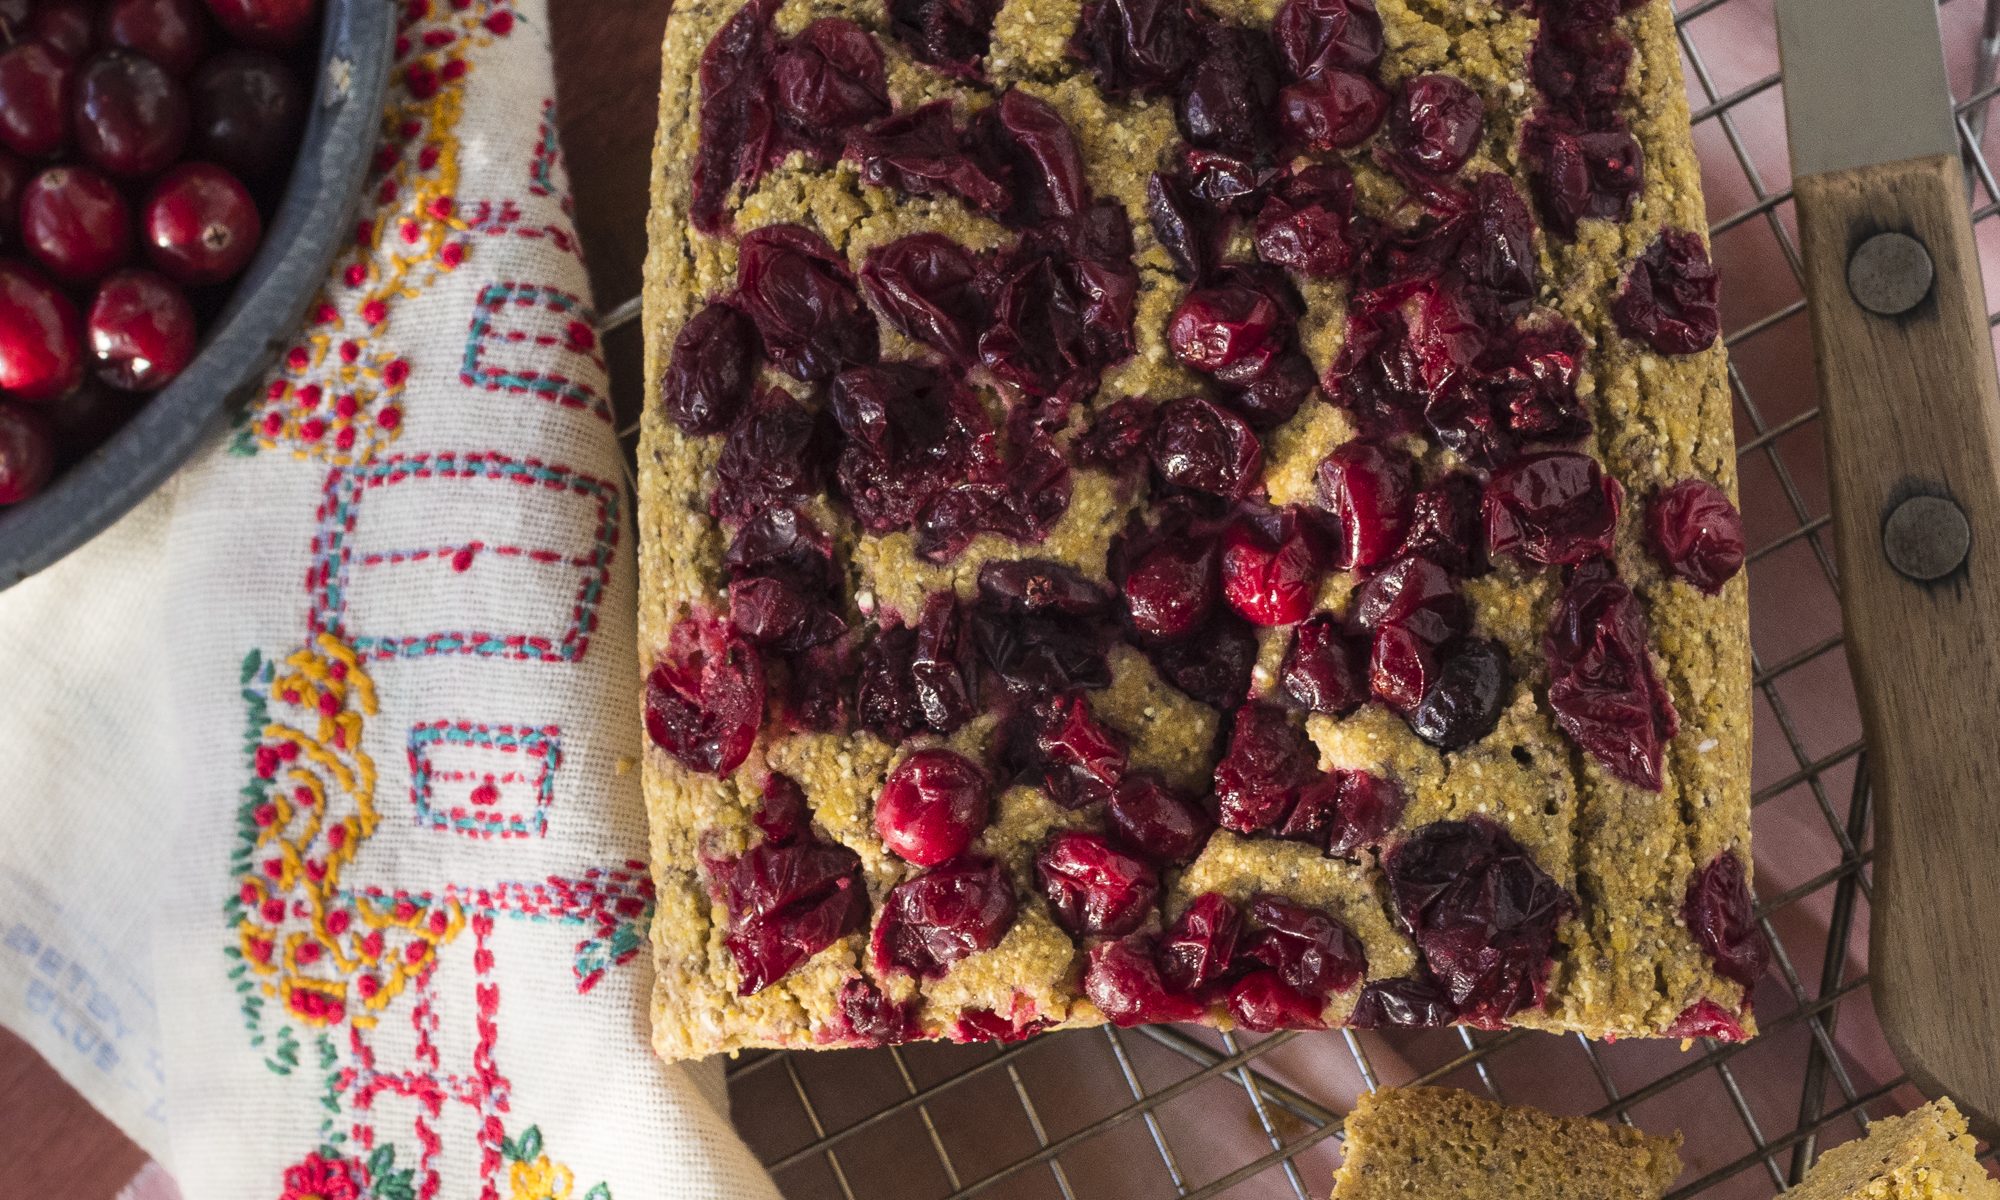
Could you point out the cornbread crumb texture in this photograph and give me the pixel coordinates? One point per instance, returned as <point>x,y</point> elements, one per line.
<point>1430,1143</point>
<point>1925,1154</point>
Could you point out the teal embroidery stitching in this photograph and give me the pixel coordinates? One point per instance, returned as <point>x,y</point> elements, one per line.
<point>543,745</point>
<point>580,339</point>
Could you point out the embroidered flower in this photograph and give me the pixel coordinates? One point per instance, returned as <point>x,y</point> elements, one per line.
<point>538,1180</point>
<point>316,1178</point>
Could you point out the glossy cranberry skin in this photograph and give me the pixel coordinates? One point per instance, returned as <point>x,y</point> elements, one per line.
<point>1171,589</point>
<point>787,902</point>
<point>923,152</point>
<point>1198,445</point>
<point>1553,508</point>
<point>943,915</point>
<point>1309,948</point>
<point>872,1019</point>
<point>803,301</point>
<point>1262,1002</point>
<point>41,336</point>
<point>705,698</point>
<point>737,133</point>
<point>1082,760</point>
<point>249,109</point>
<point>1325,670</point>
<point>1465,700</point>
<point>1303,225</point>
<point>36,81</point>
<point>1367,808</point>
<point>173,33</point>
<point>266,24</point>
<point>1415,1002</point>
<point>1333,110</point>
<point>141,330</point>
<point>1416,594</point>
<point>1226,99</point>
<point>14,176</point>
<point>1435,123</point>
<point>1153,819</point>
<point>1368,487</point>
<point>75,224</point>
<point>132,119</point>
<point>1695,533</point>
<point>1318,35</point>
<point>1093,888</point>
<point>1200,946</point>
<point>1578,174</point>
<point>1214,665</point>
<point>924,285</point>
<point>828,79</point>
<point>1124,981</point>
<point>1721,914</point>
<point>711,371</point>
<point>932,806</point>
<point>1234,329</point>
<point>1270,575</point>
<point>1707,1019</point>
<point>1669,297</point>
<point>1268,760</point>
<point>952,35</point>
<point>1602,687</point>
<point>776,453</point>
<point>1136,45</point>
<point>27,455</point>
<point>200,225</point>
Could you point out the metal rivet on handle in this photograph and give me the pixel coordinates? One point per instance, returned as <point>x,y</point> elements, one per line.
<point>1890,274</point>
<point>1926,537</point>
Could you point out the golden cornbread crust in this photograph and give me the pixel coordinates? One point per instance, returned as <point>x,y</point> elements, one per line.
<point>1625,964</point>
<point>1925,1154</point>
<point>1431,1143</point>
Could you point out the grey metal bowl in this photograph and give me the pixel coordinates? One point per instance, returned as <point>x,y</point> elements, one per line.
<point>308,228</point>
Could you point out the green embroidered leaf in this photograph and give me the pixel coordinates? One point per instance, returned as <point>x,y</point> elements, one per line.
<point>326,1150</point>
<point>531,1143</point>
<point>380,1162</point>
<point>600,1192</point>
<point>251,662</point>
<point>508,1150</point>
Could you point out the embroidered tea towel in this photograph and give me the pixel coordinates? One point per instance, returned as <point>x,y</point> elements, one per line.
<point>324,762</point>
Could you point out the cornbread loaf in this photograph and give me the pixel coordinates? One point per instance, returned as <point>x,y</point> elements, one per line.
<point>1925,1154</point>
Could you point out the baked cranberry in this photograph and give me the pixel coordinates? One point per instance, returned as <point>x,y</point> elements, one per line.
<point>173,33</point>
<point>1263,1002</point>
<point>1435,123</point>
<point>1093,888</point>
<point>1581,174</point>
<point>782,614</point>
<point>1367,486</point>
<point>932,806</point>
<point>1310,949</point>
<point>787,902</point>
<point>1332,110</point>
<point>799,293</point>
<point>1157,821</point>
<point>1445,525</point>
<point>1035,586</point>
<point>1233,328</point>
<point>1224,182</point>
<point>141,330</point>
<point>1227,98</point>
<point>268,24</point>
<point>1171,589</point>
<point>872,1019</point>
<point>36,81</point>
<point>1081,760</point>
<point>1050,158</point>
<point>737,134</point>
<point>27,455</point>
<point>249,109</point>
<point>952,34</point>
<point>1483,914</point>
<point>1696,533</point>
<point>1116,439</point>
<point>1375,376</point>
<point>1201,944</point>
<point>1197,444</point>
<point>41,336</point>
<point>1214,664</point>
<point>1578,64</point>
<point>1669,297</point>
<point>985,1025</point>
<point>776,453</point>
<point>1401,668</point>
<point>925,286</point>
<point>1303,225</point>
<point>1319,35</point>
<point>1416,1002</point>
<point>1183,226</point>
<point>910,431</point>
<point>1036,651</point>
<point>1497,251</point>
<point>66,25</point>
<point>1019,494</point>
<point>1318,809</point>
<point>711,372</point>
<point>923,153</point>
<point>930,922</point>
<point>784,543</point>
<point>782,813</point>
<point>1556,508</point>
<point>200,225</point>
<point>1136,45</point>
<point>1441,333</point>
<point>1367,807</point>
<point>1273,397</point>
<point>1532,381</point>
<point>705,697</point>
<point>1465,700</point>
<point>1059,319</point>
<point>1720,912</point>
<point>132,119</point>
<point>1416,594</point>
<point>14,176</point>
<point>885,690</point>
<point>1271,569</point>
<point>1123,981</point>
<point>1601,682</point>
<point>942,666</point>
<point>1325,670</point>
<point>1268,760</point>
<point>828,79</point>
<point>75,224</point>
<point>1706,1019</point>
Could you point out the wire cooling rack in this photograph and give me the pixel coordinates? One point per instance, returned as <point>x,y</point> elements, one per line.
<point>1169,1111</point>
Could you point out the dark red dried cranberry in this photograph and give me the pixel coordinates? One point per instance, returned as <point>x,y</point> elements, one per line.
<point>1157,821</point>
<point>1197,444</point>
<point>1263,1002</point>
<point>1271,568</point>
<point>1441,333</point>
<point>1367,808</point>
<point>1696,533</point>
<point>799,293</point>
<point>1268,760</point>
<point>871,1018</point>
<point>1465,700</point>
<point>141,331</point>
<point>1554,508</point>
<point>249,109</point>
<point>1445,525</point>
<point>76,224</point>
<point>705,697</point>
<point>1497,255</point>
<point>1580,174</point>
<point>1171,589</point>
<point>782,542</point>
<point>131,118</point>
<point>1483,914</point>
<point>1303,224</point>
<point>1601,682</point>
<point>1375,376</point>
<point>41,336</point>
<point>1367,486</point>
<point>172,33</point>
<point>1201,944</point>
<point>1233,330</point>
<point>1124,982</point>
<point>736,131</point>
<point>1435,123</point>
<point>779,614</point>
<point>1136,45</point>
<point>932,806</point>
<point>1721,914</point>
<point>924,285</point>
<point>828,79</point>
<point>776,454</point>
<point>199,225</point>
<point>1325,670</point>
<point>712,371</point>
<point>1706,1019</point>
<point>1060,319</point>
<point>1093,888</point>
<point>1116,439</point>
<point>951,34</point>
<point>930,922</point>
<point>1183,226</point>
<point>36,81</point>
<point>922,152</point>
<point>782,813</point>
<point>1081,760</point>
<point>1416,1002</point>
<point>1309,948</point>
<point>1316,35</point>
<point>1332,110</point>
<point>1532,381</point>
<point>1213,665</point>
<point>1225,183</point>
<point>1227,98</point>
<point>1669,297</point>
<point>786,903</point>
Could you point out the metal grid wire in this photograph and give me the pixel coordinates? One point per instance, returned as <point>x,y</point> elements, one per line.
<point>1168,1111</point>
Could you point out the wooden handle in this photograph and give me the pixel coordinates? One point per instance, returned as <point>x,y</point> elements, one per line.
<point>1912,409</point>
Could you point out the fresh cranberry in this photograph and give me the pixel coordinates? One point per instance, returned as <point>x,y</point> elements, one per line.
<point>1319,35</point>
<point>782,813</point>
<point>173,33</point>
<point>1227,98</point>
<point>1696,533</point>
<point>1234,330</point>
<point>925,286</point>
<point>75,224</point>
<point>141,330</point>
<point>1123,981</point>
<point>1581,174</point>
<point>776,453</point>
<point>1416,1002</point>
<point>711,371</point>
<point>1303,224</point>
<point>1157,821</point>
<point>1262,1002</point>
<point>1435,123</point>
<point>267,24</point>
<point>736,128</point>
<point>1706,1019</point>
<point>200,225</point>
<point>871,1018</point>
<point>249,108</point>
<point>1332,110</point>
<point>1483,914</point>
<point>1669,297</point>
<point>932,806</point>
<point>1324,670</point>
<point>1271,574</point>
<point>1556,508</point>
<point>705,697</point>
<point>1213,665</point>
<point>786,903</point>
<point>36,81</point>
<point>1601,682</point>
<point>1197,444</point>
<point>1367,486</point>
<point>952,34</point>
<point>1366,809</point>
<point>132,118</point>
<point>1268,760</point>
<point>1445,525</point>
<point>1201,944</point>
<point>930,922</point>
<point>1136,45</point>
<point>27,455</point>
<point>1093,888</point>
<point>799,293</point>
<point>923,153</point>
<point>1464,701</point>
<point>1171,589</point>
<point>14,176</point>
<point>41,336</point>
<point>828,79</point>
<point>65,24</point>
<point>1310,950</point>
<point>1720,912</point>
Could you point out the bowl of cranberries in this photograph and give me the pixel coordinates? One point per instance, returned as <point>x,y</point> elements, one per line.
<point>174,175</point>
